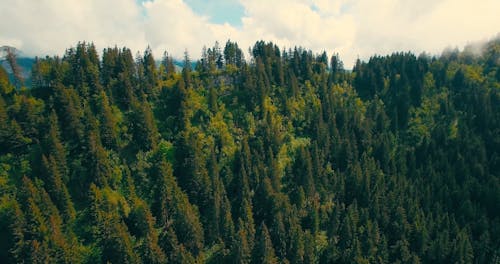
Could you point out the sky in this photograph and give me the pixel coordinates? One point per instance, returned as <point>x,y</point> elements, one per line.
<point>352,28</point>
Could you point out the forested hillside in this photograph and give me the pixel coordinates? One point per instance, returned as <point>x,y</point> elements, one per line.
<point>283,157</point>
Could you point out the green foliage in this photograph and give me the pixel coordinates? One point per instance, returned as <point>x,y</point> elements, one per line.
<point>264,251</point>
<point>282,158</point>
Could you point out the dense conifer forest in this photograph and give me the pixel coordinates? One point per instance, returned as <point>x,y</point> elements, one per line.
<point>280,157</point>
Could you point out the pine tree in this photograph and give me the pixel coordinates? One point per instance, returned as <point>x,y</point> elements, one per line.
<point>108,122</point>
<point>57,188</point>
<point>172,206</point>
<point>142,225</point>
<point>142,126</point>
<point>242,251</point>
<point>264,251</point>
<point>11,134</point>
<point>100,170</point>
<point>111,234</point>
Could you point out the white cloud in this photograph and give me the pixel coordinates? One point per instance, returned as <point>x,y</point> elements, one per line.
<point>172,26</point>
<point>49,27</point>
<point>296,23</point>
<point>350,27</point>
<point>402,25</point>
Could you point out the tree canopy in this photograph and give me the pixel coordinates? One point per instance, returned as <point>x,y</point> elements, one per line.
<point>282,157</point>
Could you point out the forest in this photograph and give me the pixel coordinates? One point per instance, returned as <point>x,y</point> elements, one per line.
<point>281,157</point>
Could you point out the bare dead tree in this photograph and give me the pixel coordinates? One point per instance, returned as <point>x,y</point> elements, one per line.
<point>11,58</point>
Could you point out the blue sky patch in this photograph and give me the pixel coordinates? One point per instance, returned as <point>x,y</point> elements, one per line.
<point>219,11</point>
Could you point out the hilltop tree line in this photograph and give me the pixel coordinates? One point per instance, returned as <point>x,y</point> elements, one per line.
<point>282,157</point>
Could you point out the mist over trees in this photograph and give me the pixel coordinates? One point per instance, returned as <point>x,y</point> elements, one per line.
<point>281,157</point>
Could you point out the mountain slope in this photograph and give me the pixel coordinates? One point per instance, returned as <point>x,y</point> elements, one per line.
<point>284,158</point>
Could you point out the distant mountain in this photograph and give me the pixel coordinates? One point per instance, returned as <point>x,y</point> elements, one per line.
<point>25,63</point>
<point>179,64</point>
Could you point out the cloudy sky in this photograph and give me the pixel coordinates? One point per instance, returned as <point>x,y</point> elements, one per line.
<point>352,28</point>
